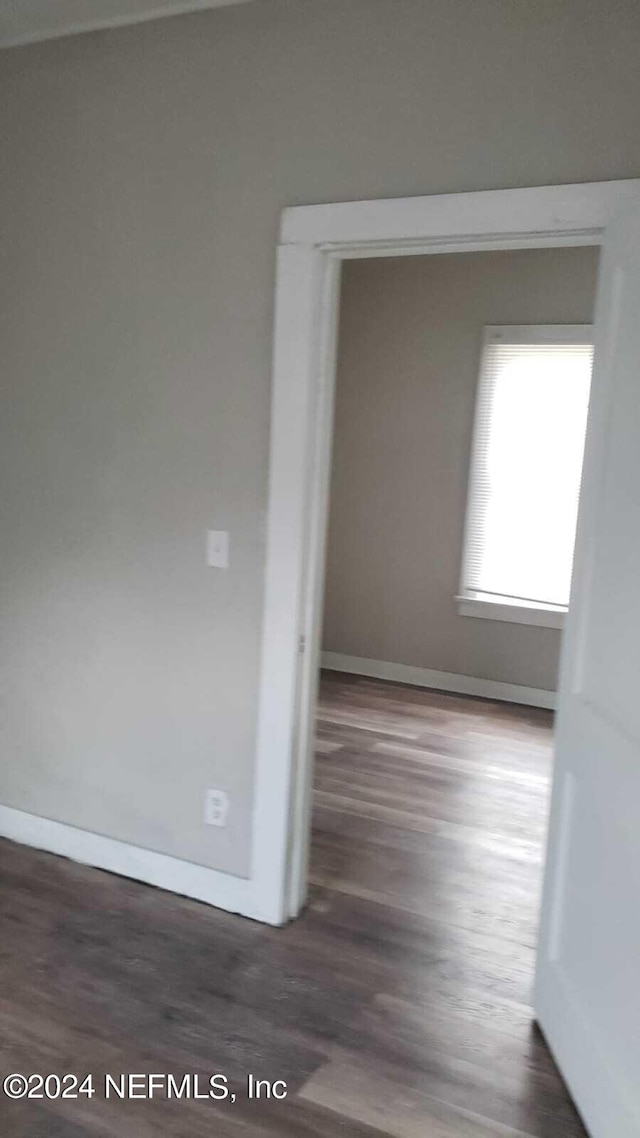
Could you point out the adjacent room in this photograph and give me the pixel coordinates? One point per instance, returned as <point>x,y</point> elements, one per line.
<point>418,337</point>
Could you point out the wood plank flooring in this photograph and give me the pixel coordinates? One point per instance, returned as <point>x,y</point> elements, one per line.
<point>399,1004</point>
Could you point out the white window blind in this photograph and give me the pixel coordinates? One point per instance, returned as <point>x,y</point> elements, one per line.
<point>530,425</point>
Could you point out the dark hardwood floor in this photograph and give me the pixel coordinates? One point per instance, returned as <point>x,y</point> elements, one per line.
<point>399,1004</point>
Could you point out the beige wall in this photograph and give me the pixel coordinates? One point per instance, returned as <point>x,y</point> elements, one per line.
<point>409,348</point>
<point>143,174</point>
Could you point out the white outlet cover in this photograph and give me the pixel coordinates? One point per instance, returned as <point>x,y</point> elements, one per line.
<point>216,807</point>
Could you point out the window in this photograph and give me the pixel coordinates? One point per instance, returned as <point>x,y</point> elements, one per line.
<point>530,423</point>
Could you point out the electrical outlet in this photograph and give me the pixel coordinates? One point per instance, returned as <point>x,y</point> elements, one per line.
<point>216,807</point>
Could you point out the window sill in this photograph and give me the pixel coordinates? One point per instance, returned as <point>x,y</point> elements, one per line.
<point>512,611</point>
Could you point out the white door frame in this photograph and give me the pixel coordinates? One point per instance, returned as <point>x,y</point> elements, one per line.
<point>314,240</point>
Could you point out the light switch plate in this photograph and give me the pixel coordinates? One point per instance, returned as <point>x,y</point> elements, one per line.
<point>218,548</point>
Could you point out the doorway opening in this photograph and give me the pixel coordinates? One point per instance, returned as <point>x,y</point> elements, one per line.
<point>462,387</point>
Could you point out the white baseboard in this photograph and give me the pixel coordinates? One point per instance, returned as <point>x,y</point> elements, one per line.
<point>610,1107</point>
<point>440,681</point>
<point>225,891</point>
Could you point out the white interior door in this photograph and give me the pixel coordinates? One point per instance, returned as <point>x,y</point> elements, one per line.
<point>588,977</point>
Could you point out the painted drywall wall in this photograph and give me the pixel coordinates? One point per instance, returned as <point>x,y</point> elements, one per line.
<point>409,350</point>
<point>143,174</point>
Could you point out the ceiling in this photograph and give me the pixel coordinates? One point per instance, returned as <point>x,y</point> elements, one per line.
<point>24,21</point>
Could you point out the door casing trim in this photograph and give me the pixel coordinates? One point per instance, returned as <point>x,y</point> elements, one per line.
<point>314,240</point>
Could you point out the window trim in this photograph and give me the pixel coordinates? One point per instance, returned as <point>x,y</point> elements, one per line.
<point>544,616</point>
<point>470,602</point>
